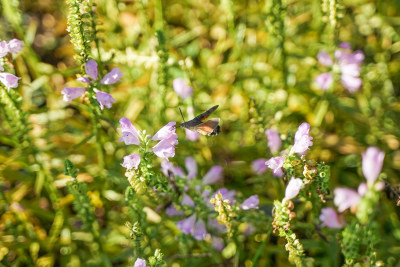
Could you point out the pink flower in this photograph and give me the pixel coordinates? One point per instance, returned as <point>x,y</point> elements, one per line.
<point>112,77</point>
<point>9,80</point>
<point>91,69</point>
<point>187,225</point>
<point>172,211</point>
<point>345,198</point>
<point>191,135</point>
<point>213,176</point>
<point>351,83</point>
<point>345,45</point>
<point>129,133</point>
<point>199,230</point>
<point>302,140</point>
<point>259,166</point>
<point>324,80</point>
<point>131,161</point>
<point>372,161</point>
<point>187,200</point>
<point>191,167</point>
<point>183,90</point>
<point>71,93</point>
<point>166,148</point>
<point>165,132</point>
<point>324,58</point>
<point>250,203</point>
<point>330,219</point>
<point>15,46</point>
<point>276,165</point>
<point>3,48</point>
<point>104,99</point>
<point>139,263</point>
<point>274,141</point>
<point>293,188</point>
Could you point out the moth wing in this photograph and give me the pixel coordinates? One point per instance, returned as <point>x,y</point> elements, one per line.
<point>208,127</point>
<point>206,113</point>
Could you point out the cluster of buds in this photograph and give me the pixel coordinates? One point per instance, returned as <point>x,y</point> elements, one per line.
<point>137,182</point>
<point>225,211</point>
<point>283,214</point>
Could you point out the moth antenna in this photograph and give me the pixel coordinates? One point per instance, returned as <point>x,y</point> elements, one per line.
<point>182,114</point>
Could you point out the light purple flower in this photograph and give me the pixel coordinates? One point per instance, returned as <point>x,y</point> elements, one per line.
<point>372,161</point>
<point>293,188</point>
<point>182,89</point>
<point>259,166</point>
<point>131,161</point>
<point>129,134</point>
<point>213,176</point>
<point>91,69</point>
<point>324,80</point>
<point>112,77</point>
<point>187,200</point>
<point>167,167</point>
<point>9,80</point>
<point>199,230</point>
<point>192,135</point>
<point>362,189</point>
<point>187,225</point>
<point>3,48</point>
<point>226,194</point>
<point>104,99</point>
<point>345,198</point>
<point>172,211</point>
<point>84,80</point>
<point>165,132</point>
<point>302,140</point>
<point>71,93</point>
<point>166,148</point>
<point>345,45</point>
<point>191,167</point>
<point>276,164</point>
<point>330,219</point>
<point>139,263</point>
<point>351,83</point>
<point>250,203</point>
<point>217,243</point>
<point>324,58</point>
<point>15,46</point>
<point>274,141</point>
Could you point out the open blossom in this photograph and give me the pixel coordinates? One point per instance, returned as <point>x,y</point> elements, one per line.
<point>91,69</point>
<point>349,65</point>
<point>3,48</point>
<point>131,161</point>
<point>213,176</point>
<point>345,198</point>
<point>250,203</point>
<point>259,166</point>
<point>331,219</point>
<point>104,99</point>
<point>112,77</point>
<point>168,139</point>
<point>372,161</point>
<point>187,225</point>
<point>187,200</point>
<point>302,140</point>
<point>324,80</point>
<point>129,134</point>
<point>274,141</point>
<point>71,93</point>
<point>9,80</point>
<point>140,263</point>
<point>293,188</point>
<point>15,46</point>
<point>276,165</point>
<point>182,89</point>
<point>191,167</point>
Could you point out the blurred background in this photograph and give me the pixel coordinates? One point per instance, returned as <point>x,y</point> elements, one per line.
<point>255,59</point>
